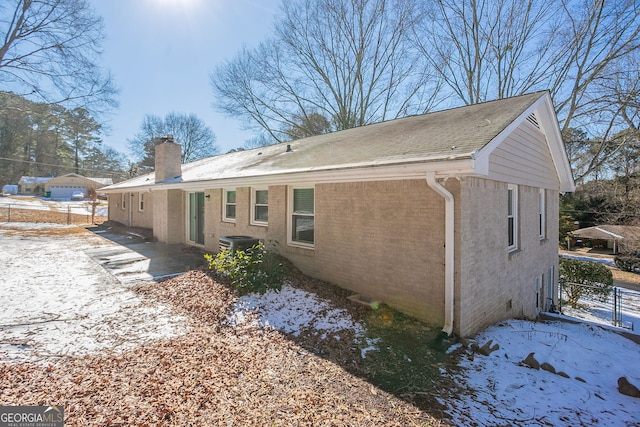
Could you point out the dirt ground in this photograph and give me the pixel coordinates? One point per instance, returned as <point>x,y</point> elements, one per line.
<point>32,215</point>
<point>214,375</point>
<point>222,374</point>
<point>219,374</point>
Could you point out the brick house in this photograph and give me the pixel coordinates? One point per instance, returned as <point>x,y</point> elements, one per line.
<point>451,216</point>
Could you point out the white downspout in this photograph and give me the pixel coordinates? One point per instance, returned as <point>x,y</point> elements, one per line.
<point>449,251</point>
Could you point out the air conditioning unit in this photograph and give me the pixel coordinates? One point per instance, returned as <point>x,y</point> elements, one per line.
<point>235,243</point>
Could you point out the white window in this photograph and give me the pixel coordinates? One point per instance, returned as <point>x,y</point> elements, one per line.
<point>302,227</point>
<point>542,214</point>
<point>141,202</point>
<point>123,201</point>
<point>260,206</point>
<point>512,216</point>
<point>229,205</point>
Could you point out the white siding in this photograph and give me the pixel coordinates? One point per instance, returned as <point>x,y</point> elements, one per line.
<point>524,158</point>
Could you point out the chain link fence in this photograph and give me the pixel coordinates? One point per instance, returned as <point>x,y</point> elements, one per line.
<point>609,308</point>
<point>66,215</point>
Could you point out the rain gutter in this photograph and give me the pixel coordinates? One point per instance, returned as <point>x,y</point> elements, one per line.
<point>449,266</point>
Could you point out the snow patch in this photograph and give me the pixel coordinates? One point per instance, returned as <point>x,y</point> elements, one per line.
<point>56,301</point>
<point>507,392</point>
<point>292,311</point>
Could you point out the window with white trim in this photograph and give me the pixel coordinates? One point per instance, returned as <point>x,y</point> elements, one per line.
<point>123,200</point>
<point>512,217</point>
<point>302,215</point>
<point>141,202</point>
<point>542,214</point>
<point>260,206</point>
<point>229,205</point>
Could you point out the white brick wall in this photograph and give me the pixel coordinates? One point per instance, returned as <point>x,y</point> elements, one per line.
<point>496,284</point>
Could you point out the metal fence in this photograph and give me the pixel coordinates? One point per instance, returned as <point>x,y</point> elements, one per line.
<point>66,215</point>
<point>611,305</point>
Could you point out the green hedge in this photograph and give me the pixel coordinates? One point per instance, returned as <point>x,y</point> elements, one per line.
<point>254,270</point>
<point>584,278</point>
<point>628,263</point>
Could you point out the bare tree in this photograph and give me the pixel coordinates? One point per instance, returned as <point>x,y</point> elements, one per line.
<point>613,116</point>
<point>197,139</point>
<point>49,50</point>
<point>487,49</point>
<point>312,124</point>
<point>351,61</point>
<point>597,38</point>
<point>577,49</point>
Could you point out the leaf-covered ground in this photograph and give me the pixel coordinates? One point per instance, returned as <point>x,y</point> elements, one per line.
<point>219,374</point>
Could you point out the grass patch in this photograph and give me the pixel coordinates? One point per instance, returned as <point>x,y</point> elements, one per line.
<point>401,354</point>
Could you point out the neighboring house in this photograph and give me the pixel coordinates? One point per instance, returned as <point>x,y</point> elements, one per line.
<point>451,217</point>
<point>617,238</point>
<point>33,185</point>
<point>61,187</point>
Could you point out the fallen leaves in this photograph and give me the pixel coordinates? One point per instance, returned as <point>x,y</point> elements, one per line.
<point>214,374</point>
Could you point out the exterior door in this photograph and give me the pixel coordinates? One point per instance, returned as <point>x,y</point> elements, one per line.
<point>551,291</point>
<point>539,294</point>
<point>196,218</point>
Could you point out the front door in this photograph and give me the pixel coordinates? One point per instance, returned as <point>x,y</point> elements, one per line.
<point>196,218</point>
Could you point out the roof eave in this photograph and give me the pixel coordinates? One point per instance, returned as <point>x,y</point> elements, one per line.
<point>380,172</point>
<point>556,145</point>
<point>543,106</point>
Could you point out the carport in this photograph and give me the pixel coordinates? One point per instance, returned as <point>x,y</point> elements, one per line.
<point>614,237</point>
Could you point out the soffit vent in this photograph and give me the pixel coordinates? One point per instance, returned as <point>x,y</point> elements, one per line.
<point>533,120</point>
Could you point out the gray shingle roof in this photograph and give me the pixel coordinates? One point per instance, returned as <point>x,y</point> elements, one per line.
<point>439,136</point>
<point>34,179</point>
<point>103,181</point>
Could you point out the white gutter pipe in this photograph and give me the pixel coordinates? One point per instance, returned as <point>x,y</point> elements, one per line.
<point>449,251</point>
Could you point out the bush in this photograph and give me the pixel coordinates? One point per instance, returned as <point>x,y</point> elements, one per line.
<point>254,270</point>
<point>628,263</point>
<point>581,278</point>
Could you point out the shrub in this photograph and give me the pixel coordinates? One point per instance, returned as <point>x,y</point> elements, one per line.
<point>581,278</point>
<point>628,263</point>
<point>254,270</point>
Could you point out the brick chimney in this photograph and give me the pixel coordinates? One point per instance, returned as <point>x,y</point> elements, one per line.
<point>168,159</point>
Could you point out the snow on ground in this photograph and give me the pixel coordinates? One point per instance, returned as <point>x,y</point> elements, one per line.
<point>506,392</point>
<point>509,393</point>
<point>292,310</point>
<point>40,203</point>
<point>602,260</point>
<point>23,202</point>
<point>594,310</point>
<point>57,301</point>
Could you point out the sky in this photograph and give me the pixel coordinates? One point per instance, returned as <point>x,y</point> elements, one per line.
<point>161,53</point>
